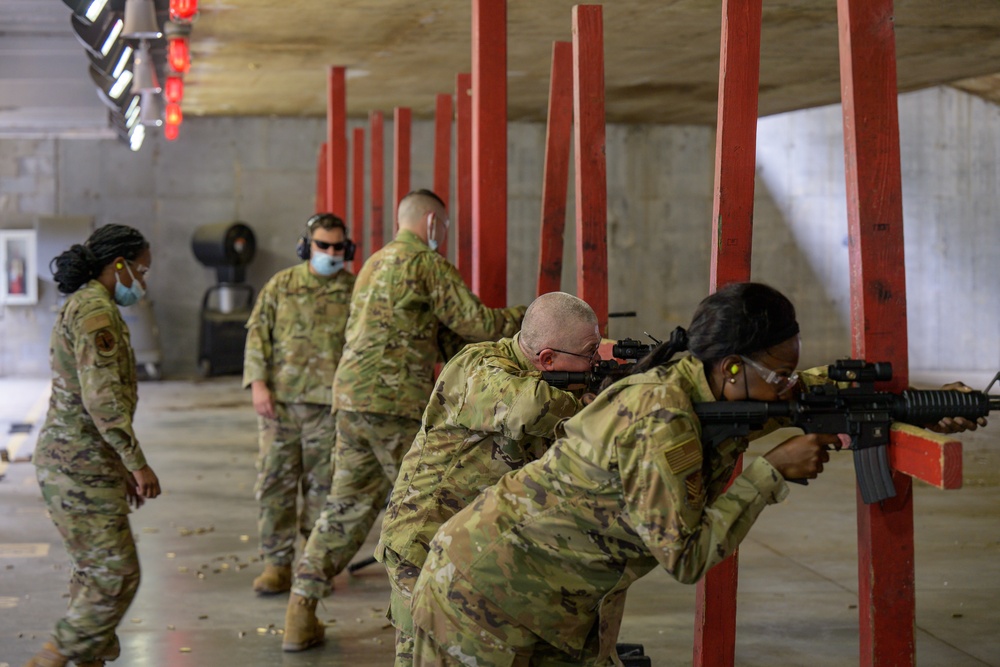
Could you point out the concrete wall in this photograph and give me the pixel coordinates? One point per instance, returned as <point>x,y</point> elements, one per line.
<point>262,171</point>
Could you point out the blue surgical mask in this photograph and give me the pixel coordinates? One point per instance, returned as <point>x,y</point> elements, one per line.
<point>128,296</point>
<point>325,265</point>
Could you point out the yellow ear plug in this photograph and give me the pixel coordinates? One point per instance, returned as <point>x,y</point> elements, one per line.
<point>119,266</point>
<point>734,369</point>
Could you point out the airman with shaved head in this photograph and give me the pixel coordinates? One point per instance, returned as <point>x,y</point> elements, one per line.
<point>406,300</point>
<point>490,413</point>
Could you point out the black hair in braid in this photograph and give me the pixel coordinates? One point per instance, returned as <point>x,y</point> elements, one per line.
<point>740,318</point>
<point>82,263</point>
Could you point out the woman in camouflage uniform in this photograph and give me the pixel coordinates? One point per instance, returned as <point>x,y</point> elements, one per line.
<point>89,463</point>
<point>535,570</point>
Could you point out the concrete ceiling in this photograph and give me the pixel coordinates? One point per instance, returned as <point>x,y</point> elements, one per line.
<point>265,57</point>
<point>262,57</point>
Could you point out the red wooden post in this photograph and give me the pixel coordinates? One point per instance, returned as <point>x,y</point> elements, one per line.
<point>489,151</point>
<point>402,121</point>
<point>878,310</point>
<point>591,165</point>
<point>442,156</point>
<point>463,177</point>
<point>732,232</point>
<point>336,139</point>
<point>555,179</point>
<point>377,238</point>
<point>358,198</point>
<point>321,179</point>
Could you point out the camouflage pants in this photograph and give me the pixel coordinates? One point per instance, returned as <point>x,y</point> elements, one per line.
<point>402,577</point>
<point>105,572</point>
<point>454,625</point>
<point>365,463</point>
<point>295,450</point>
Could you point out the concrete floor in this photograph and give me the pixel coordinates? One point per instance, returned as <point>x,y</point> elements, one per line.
<point>195,608</point>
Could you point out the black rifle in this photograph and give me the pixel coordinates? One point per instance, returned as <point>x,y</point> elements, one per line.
<point>859,411</point>
<point>626,348</point>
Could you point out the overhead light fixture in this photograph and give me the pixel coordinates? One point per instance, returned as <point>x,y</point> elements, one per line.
<point>136,136</point>
<point>151,109</point>
<point>144,70</point>
<point>173,89</point>
<point>179,54</point>
<point>132,113</point>
<point>118,58</point>
<point>112,91</point>
<point>88,9</point>
<point>122,84</point>
<point>123,62</point>
<point>140,20</point>
<point>173,115</point>
<point>98,38</point>
<point>183,10</point>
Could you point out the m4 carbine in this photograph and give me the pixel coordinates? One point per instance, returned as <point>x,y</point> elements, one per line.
<point>858,410</point>
<point>626,348</point>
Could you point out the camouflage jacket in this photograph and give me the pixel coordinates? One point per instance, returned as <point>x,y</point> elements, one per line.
<point>490,413</point>
<point>88,431</point>
<point>295,334</point>
<point>626,488</point>
<point>405,297</point>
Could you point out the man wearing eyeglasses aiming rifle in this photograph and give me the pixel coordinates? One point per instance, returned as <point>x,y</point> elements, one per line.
<point>295,336</point>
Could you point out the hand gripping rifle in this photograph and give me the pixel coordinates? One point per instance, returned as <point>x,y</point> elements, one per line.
<point>626,348</point>
<point>859,411</point>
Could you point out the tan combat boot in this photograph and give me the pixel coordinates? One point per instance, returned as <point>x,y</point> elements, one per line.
<point>49,656</point>
<point>275,579</point>
<point>302,629</point>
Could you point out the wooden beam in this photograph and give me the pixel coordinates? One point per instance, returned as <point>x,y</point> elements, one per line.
<point>591,165</point>
<point>732,235</point>
<point>886,594</point>
<point>336,139</point>
<point>489,151</point>
<point>402,127</point>
<point>555,179</point>
<point>321,179</point>
<point>358,198</point>
<point>929,457</point>
<point>442,156</point>
<point>376,124</point>
<point>463,177</point>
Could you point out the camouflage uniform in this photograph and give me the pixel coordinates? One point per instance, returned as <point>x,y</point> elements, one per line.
<point>538,566</point>
<point>407,301</point>
<point>490,413</point>
<point>85,449</point>
<point>295,336</point>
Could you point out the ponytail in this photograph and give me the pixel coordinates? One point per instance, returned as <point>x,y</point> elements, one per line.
<point>80,264</point>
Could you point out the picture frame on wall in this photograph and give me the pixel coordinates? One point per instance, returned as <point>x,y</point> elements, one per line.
<point>18,259</point>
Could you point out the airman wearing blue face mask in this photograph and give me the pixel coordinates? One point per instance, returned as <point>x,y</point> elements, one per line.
<point>89,464</point>
<point>294,341</point>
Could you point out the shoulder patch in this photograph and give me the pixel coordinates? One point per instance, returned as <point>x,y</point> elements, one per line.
<point>99,321</point>
<point>684,456</point>
<point>106,342</point>
<point>695,490</point>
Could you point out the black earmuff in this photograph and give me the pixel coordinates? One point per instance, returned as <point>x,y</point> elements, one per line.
<point>303,249</point>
